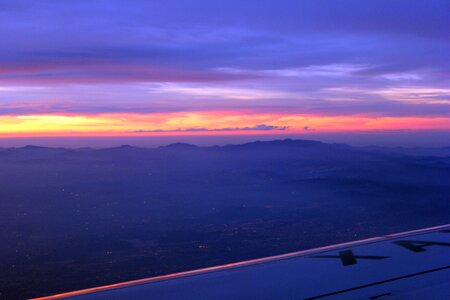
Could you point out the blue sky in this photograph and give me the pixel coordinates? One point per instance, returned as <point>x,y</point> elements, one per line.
<point>371,59</point>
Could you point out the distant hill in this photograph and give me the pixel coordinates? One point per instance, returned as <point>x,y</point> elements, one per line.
<point>266,145</point>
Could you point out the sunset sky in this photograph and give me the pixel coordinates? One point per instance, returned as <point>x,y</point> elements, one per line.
<point>166,67</point>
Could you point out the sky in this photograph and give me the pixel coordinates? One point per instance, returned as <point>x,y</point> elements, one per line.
<point>215,68</point>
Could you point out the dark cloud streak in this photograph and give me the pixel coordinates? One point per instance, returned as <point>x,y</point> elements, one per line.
<point>260,127</point>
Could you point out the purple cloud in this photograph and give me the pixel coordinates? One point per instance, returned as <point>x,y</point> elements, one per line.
<point>96,56</point>
<point>259,127</point>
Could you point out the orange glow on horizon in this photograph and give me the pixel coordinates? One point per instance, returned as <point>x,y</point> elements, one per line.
<point>203,123</point>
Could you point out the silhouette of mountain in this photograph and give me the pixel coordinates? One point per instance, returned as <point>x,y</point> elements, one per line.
<point>122,147</point>
<point>266,145</point>
<point>179,146</point>
<point>32,147</point>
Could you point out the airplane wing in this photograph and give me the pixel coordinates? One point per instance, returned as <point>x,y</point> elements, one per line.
<point>409,265</point>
